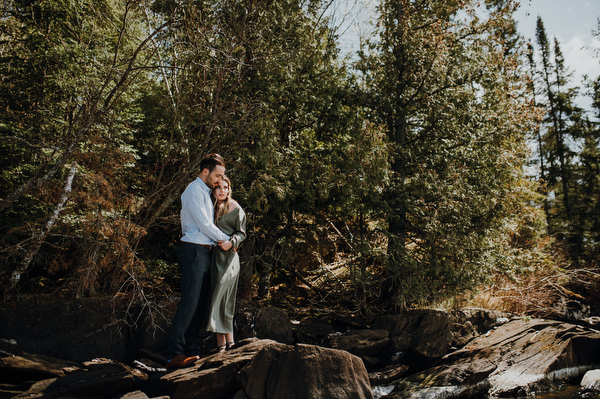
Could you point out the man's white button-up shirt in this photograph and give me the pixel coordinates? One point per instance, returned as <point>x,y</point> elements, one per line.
<point>197,215</point>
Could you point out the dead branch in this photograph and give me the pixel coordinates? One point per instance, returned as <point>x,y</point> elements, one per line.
<point>305,281</point>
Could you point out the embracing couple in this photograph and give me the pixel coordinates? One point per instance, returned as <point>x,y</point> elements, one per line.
<point>213,225</point>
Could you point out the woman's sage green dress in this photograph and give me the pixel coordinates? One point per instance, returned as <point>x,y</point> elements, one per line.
<point>224,273</point>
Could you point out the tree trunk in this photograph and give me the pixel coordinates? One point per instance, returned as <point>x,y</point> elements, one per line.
<point>37,241</point>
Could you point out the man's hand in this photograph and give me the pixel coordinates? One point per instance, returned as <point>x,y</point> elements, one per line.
<point>225,245</point>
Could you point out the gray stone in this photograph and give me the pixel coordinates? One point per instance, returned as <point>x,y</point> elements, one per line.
<point>591,381</point>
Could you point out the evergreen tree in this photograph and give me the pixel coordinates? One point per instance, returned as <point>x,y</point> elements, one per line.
<point>447,93</point>
<point>587,197</point>
<point>537,135</point>
<point>565,127</point>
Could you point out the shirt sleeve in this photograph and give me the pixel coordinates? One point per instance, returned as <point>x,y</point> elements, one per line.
<point>198,205</point>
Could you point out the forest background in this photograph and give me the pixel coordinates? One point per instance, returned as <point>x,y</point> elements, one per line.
<point>445,163</point>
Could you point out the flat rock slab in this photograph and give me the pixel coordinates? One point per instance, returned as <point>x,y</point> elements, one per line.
<point>515,359</point>
<point>26,367</point>
<point>101,382</point>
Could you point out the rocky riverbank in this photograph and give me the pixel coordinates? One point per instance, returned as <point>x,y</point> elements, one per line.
<point>88,349</point>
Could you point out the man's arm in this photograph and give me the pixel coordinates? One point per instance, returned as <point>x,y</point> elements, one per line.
<point>194,202</point>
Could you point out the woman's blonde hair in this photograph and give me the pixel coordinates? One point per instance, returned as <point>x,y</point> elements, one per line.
<point>222,208</point>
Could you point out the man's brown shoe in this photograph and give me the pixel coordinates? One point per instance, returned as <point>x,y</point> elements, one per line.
<point>181,360</point>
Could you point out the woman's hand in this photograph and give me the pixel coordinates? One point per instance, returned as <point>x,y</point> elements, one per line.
<point>225,245</point>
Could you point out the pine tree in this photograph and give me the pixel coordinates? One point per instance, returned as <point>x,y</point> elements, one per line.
<point>446,92</point>
<point>537,134</point>
<point>564,129</point>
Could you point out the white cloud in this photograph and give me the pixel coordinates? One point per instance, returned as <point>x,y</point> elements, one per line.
<point>580,55</point>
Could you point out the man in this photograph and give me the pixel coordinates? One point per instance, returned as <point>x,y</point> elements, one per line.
<point>200,235</point>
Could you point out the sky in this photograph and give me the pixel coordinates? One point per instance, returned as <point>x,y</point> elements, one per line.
<point>572,22</point>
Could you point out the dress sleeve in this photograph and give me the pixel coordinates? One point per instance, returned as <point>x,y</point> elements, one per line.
<point>240,229</point>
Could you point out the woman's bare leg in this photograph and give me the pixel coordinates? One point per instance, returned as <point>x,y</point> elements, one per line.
<point>221,341</point>
<point>229,340</point>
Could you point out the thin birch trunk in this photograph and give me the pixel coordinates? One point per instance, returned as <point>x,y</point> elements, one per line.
<point>37,241</point>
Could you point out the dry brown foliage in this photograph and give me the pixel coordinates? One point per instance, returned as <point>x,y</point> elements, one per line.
<point>551,293</point>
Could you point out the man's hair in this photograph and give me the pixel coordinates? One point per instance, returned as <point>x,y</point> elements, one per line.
<point>210,161</point>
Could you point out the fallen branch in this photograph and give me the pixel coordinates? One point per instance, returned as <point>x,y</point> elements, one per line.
<point>305,281</point>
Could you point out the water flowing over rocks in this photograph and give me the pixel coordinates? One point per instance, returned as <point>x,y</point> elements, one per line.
<point>425,353</point>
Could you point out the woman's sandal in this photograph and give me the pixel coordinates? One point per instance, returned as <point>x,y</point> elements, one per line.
<point>230,345</point>
<point>222,348</point>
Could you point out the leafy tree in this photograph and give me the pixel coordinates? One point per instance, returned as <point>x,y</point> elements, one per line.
<point>300,156</point>
<point>587,195</point>
<point>590,154</point>
<point>69,71</point>
<point>145,92</point>
<point>252,81</point>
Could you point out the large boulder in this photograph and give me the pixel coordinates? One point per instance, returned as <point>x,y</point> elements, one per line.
<point>312,331</point>
<point>275,324</point>
<point>421,337</point>
<point>305,371</point>
<point>469,323</point>
<point>213,376</point>
<point>360,342</point>
<point>425,332</point>
<point>255,369</point>
<point>514,359</point>
<point>266,369</point>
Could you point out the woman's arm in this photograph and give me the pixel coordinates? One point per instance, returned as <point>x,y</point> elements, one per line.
<point>238,236</point>
<point>240,233</point>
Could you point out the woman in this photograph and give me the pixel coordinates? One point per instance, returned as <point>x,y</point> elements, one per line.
<point>225,268</point>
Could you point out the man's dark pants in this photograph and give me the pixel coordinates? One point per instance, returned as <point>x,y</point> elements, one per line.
<point>192,311</point>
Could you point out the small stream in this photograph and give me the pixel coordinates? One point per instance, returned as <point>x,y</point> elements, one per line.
<point>566,392</point>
